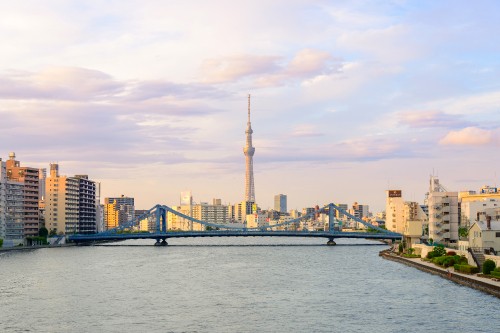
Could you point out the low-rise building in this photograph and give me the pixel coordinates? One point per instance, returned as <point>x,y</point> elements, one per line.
<point>485,234</point>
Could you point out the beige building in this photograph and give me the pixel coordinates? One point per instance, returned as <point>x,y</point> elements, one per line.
<point>70,203</point>
<point>472,203</point>
<point>61,203</point>
<point>485,234</point>
<point>215,213</point>
<point>415,221</point>
<point>256,220</point>
<point>394,211</point>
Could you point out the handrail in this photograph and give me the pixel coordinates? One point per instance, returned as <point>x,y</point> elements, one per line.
<point>476,260</point>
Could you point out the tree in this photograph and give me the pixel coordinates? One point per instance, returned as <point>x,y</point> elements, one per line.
<point>53,232</point>
<point>1,242</point>
<point>439,251</point>
<point>43,232</point>
<point>488,266</point>
<point>463,232</point>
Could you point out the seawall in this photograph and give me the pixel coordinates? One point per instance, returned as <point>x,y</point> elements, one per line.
<point>491,288</point>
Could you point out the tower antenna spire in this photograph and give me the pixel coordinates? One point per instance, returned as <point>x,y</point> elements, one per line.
<point>249,108</point>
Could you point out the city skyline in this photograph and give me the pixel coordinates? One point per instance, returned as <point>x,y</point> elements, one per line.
<point>348,99</point>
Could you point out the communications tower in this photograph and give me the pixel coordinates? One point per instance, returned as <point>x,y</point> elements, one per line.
<point>249,150</point>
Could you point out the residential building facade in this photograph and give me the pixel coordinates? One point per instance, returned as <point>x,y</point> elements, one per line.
<point>443,213</point>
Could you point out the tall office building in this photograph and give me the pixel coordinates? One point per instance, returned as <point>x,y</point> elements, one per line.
<point>280,203</point>
<point>249,151</point>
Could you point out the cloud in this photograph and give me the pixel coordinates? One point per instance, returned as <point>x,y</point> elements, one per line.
<point>230,68</point>
<point>306,131</point>
<point>59,83</point>
<point>428,119</point>
<point>470,136</point>
<point>158,89</point>
<point>270,70</point>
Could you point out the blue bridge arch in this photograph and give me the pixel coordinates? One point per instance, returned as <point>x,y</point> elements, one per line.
<point>161,232</point>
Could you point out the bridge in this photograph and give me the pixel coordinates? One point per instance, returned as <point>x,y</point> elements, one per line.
<point>158,215</point>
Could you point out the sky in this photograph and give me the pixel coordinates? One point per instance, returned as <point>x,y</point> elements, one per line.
<point>348,98</point>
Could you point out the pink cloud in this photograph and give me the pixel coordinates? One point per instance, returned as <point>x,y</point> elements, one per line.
<point>426,119</point>
<point>270,70</point>
<point>469,136</point>
<point>231,68</point>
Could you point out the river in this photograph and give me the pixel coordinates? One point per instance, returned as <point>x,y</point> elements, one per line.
<point>232,285</point>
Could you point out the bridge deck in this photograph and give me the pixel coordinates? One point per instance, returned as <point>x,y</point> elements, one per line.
<point>193,234</point>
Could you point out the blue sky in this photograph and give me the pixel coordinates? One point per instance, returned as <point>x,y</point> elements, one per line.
<point>349,98</point>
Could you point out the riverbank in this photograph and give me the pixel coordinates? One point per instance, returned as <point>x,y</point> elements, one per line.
<point>472,281</point>
<point>31,248</point>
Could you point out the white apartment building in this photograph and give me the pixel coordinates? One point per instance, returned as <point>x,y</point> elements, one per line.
<point>443,213</point>
<point>472,203</point>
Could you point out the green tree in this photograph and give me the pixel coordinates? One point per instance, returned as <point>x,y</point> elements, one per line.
<point>439,251</point>
<point>401,247</point>
<point>53,232</point>
<point>488,266</point>
<point>1,242</point>
<point>43,232</point>
<point>463,232</point>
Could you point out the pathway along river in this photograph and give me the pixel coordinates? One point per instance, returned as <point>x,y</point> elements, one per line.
<point>232,285</point>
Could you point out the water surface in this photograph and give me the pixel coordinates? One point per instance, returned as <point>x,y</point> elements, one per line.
<point>232,285</point>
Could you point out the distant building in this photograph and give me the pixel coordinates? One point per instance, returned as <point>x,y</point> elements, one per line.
<point>361,212</point>
<point>256,220</point>
<point>472,203</point>
<point>339,215</point>
<point>443,213</point>
<point>280,203</point>
<point>118,211</point>
<point>186,198</point>
<point>394,211</point>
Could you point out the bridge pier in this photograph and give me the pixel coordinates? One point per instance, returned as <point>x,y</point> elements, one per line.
<point>331,242</point>
<point>161,242</point>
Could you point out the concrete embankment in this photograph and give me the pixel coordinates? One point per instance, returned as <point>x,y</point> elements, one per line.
<point>31,248</point>
<point>484,284</point>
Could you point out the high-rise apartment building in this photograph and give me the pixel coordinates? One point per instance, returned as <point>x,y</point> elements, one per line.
<point>249,151</point>
<point>280,203</point>
<point>3,198</point>
<point>70,204</point>
<point>443,213</point>
<point>118,210</point>
<point>25,179</point>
